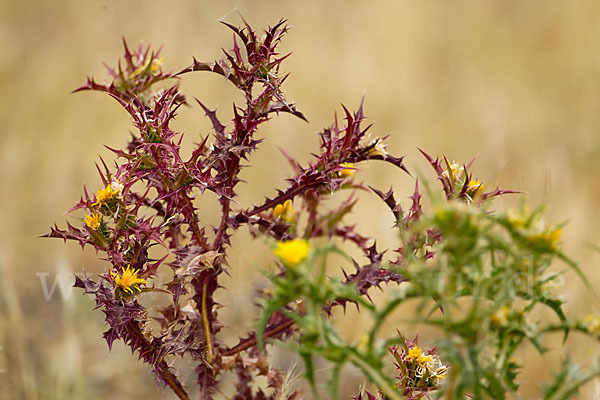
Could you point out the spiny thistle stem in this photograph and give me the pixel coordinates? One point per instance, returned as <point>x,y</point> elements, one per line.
<point>210,355</point>
<point>194,226</point>
<point>245,345</point>
<point>223,225</point>
<point>172,381</point>
<point>164,372</point>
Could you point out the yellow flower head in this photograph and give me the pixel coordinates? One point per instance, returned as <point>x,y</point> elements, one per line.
<point>376,146</point>
<point>378,149</point>
<point>517,219</point>
<point>347,170</point>
<point>548,237</point>
<point>533,227</point>
<point>103,196</point>
<point>475,188</point>
<point>591,322</point>
<point>440,373</point>
<point>500,316</point>
<point>156,65</point>
<point>93,221</point>
<point>453,172</point>
<point>416,354</point>
<point>292,252</point>
<point>423,371</point>
<point>553,237</point>
<point>152,65</point>
<point>127,279</point>
<point>285,211</point>
<point>363,340</point>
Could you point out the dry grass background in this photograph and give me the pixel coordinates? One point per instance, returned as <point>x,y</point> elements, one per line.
<point>517,82</point>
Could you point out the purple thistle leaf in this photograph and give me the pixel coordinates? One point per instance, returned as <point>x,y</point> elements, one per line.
<point>279,106</point>
<point>396,161</point>
<point>236,30</point>
<point>367,277</point>
<point>390,201</point>
<point>211,67</point>
<point>499,192</point>
<point>295,165</point>
<point>212,115</point>
<point>236,51</point>
<point>274,228</point>
<point>370,396</point>
<point>71,233</point>
<point>439,170</point>
<point>298,186</point>
<point>348,233</point>
<point>110,336</point>
<point>415,211</point>
<point>374,256</point>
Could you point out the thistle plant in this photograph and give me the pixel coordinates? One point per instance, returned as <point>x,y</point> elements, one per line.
<point>476,275</point>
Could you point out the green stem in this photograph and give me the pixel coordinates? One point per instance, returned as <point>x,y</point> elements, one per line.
<point>380,318</point>
<point>210,355</point>
<point>564,392</point>
<point>473,357</point>
<point>502,355</point>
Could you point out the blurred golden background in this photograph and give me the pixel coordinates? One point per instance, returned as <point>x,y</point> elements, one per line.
<point>517,82</point>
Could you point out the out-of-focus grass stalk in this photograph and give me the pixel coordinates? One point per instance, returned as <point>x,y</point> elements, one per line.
<point>18,368</point>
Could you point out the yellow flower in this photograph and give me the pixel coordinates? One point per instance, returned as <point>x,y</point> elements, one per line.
<point>154,68</point>
<point>422,369</point>
<point>516,219</point>
<point>591,322</point>
<point>453,171</point>
<point>103,196</point>
<point>93,221</point>
<point>416,354</point>
<point>378,149</point>
<point>440,373</point>
<point>376,146</point>
<point>363,340</point>
<point>347,170</point>
<point>285,211</point>
<point>500,316</point>
<point>475,188</point>
<point>549,238</point>
<point>292,252</point>
<point>533,228</point>
<point>128,279</point>
<point>553,237</point>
